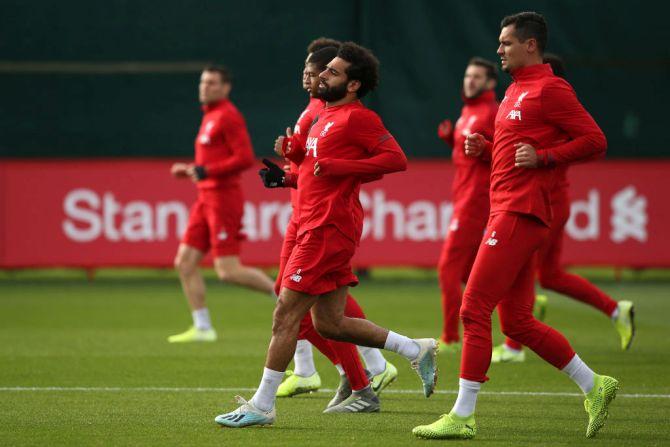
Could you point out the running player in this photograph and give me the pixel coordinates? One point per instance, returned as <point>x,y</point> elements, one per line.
<point>552,274</point>
<point>540,124</point>
<point>469,192</point>
<point>348,142</point>
<point>222,151</point>
<point>305,378</point>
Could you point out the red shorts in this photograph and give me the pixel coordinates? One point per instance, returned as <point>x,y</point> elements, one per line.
<point>320,262</point>
<point>215,222</point>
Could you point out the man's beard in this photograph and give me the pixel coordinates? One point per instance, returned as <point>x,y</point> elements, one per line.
<point>332,94</point>
<point>477,93</point>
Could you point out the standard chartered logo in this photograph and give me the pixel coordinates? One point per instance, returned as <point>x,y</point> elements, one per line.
<point>90,216</point>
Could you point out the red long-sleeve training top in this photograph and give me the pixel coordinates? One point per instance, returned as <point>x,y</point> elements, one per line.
<point>223,146</point>
<point>351,145</point>
<point>470,188</point>
<point>542,110</point>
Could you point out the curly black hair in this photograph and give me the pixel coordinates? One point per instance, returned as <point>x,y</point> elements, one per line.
<point>364,66</point>
<point>321,57</point>
<point>557,64</point>
<point>322,42</point>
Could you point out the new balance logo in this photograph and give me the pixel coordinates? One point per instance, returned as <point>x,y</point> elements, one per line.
<point>492,241</point>
<point>514,115</point>
<point>222,235</point>
<point>296,277</point>
<point>327,128</point>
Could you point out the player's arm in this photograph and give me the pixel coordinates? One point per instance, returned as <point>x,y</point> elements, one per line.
<point>237,137</point>
<point>365,129</point>
<point>562,108</point>
<point>291,146</point>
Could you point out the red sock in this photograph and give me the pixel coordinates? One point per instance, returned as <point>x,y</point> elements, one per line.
<point>324,346</point>
<point>352,365</point>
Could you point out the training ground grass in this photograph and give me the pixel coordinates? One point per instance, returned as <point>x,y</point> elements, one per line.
<point>87,363</point>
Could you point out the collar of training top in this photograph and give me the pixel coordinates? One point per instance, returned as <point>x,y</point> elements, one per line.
<point>485,96</point>
<point>535,71</point>
<point>213,105</point>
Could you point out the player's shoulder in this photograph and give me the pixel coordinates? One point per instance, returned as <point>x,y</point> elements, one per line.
<point>359,115</point>
<point>231,112</point>
<point>553,82</point>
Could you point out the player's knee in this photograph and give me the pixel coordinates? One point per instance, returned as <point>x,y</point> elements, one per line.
<point>183,265</point>
<point>229,274</point>
<point>516,328</point>
<point>548,277</point>
<point>282,320</point>
<point>326,328</point>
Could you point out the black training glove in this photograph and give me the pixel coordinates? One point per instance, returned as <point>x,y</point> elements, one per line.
<point>200,172</point>
<point>273,175</point>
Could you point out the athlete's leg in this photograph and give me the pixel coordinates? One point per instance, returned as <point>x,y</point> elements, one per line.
<point>229,269</point>
<point>186,263</point>
<point>458,254</point>
<point>553,276</point>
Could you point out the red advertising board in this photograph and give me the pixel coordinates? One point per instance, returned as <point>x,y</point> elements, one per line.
<point>129,212</point>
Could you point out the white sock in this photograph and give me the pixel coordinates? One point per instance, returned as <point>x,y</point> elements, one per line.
<point>264,399</point>
<point>374,359</point>
<point>512,350</point>
<point>615,313</point>
<point>402,345</point>
<point>339,369</point>
<point>201,319</point>
<point>303,359</point>
<point>467,397</point>
<point>580,373</point>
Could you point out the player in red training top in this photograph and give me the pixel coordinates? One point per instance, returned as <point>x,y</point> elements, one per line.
<point>222,151</point>
<point>540,124</point>
<point>469,192</point>
<point>305,378</point>
<point>347,142</point>
<point>552,274</point>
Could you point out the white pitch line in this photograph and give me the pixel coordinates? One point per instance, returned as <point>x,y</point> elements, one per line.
<point>323,390</point>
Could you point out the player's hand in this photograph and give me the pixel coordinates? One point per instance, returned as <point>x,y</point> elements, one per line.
<point>317,169</point>
<point>474,145</point>
<point>445,129</point>
<point>178,170</point>
<point>273,176</point>
<point>525,156</point>
<point>283,143</point>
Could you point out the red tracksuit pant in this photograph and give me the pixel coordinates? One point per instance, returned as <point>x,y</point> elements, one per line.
<point>345,354</point>
<point>553,276</point>
<point>503,275</point>
<point>458,254</point>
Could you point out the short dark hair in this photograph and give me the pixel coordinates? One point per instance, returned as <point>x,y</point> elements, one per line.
<point>322,42</point>
<point>364,66</point>
<point>556,62</point>
<point>321,57</point>
<point>528,25</point>
<point>491,68</point>
<point>226,75</point>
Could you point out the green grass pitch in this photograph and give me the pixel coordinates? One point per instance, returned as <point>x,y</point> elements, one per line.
<point>87,363</point>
